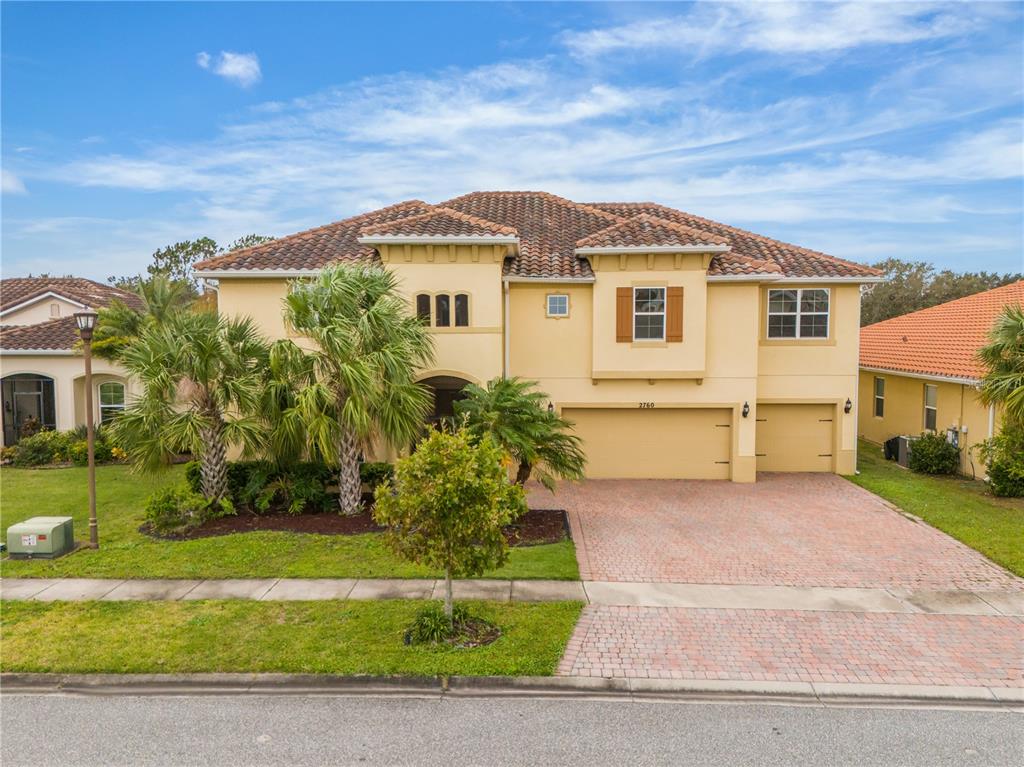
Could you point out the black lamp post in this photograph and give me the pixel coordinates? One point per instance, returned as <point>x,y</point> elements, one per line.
<point>86,324</point>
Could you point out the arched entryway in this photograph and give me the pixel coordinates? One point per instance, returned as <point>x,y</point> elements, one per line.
<point>447,390</point>
<point>27,397</point>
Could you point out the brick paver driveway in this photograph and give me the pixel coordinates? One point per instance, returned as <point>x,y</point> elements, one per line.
<point>785,530</point>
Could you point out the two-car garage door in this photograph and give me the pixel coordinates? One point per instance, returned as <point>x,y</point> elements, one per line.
<point>657,443</point>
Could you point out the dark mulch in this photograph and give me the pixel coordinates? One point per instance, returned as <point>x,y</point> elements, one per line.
<point>474,632</point>
<point>535,527</point>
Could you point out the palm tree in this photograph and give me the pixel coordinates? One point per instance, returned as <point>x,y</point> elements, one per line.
<point>369,347</point>
<point>513,412</point>
<point>202,376</point>
<point>1003,357</point>
<point>119,323</point>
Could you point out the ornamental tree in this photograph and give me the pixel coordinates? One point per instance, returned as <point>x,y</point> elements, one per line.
<point>448,504</point>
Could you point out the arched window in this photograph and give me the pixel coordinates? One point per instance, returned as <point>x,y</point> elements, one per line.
<point>461,310</point>
<point>442,310</point>
<point>111,400</point>
<point>423,307</point>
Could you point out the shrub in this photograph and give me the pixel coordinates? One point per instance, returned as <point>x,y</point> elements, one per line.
<point>431,625</point>
<point>44,447</point>
<point>178,510</point>
<point>1004,458</point>
<point>448,504</point>
<point>373,474</point>
<point>258,485</point>
<point>932,454</point>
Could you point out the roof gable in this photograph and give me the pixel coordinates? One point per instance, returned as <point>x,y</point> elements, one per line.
<point>19,292</point>
<point>646,230</point>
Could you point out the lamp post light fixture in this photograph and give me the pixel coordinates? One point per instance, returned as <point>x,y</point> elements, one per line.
<point>86,322</point>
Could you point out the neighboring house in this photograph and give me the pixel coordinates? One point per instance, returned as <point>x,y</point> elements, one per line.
<point>680,347</point>
<point>919,372</point>
<point>41,373</point>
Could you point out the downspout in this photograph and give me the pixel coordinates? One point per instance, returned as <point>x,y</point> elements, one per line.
<point>505,331</point>
<point>991,421</point>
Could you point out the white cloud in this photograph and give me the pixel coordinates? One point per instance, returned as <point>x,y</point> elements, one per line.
<point>241,68</point>
<point>11,184</point>
<point>782,28</point>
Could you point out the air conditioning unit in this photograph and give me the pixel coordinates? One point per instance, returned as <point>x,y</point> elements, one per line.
<point>40,538</point>
<point>903,449</point>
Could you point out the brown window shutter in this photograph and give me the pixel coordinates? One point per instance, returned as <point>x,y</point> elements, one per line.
<point>674,315</point>
<point>623,315</point>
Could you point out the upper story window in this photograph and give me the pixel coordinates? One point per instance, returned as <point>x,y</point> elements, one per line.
<point>648,314</point>
<point>931,406</point>
<point>558,305</point>
<point>443,310</point>
<point>798,313</point>
<point>111,400</point>
<point>879,397</point>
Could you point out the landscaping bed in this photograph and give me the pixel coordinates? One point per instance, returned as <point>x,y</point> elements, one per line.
<point>292,637</point>
<point>535,527</point>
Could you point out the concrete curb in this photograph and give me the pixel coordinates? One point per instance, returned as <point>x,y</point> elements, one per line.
<point>594,688</point>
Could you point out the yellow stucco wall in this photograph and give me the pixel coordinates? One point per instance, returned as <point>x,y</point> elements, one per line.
<point>958,407</point>
<point>68,374</point>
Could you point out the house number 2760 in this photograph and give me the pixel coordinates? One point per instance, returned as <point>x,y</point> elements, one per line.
<point>646,405</point>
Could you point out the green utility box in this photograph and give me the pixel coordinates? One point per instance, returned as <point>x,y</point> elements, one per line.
<point>40,537</point>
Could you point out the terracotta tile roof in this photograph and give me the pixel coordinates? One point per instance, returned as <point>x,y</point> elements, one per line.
<point>439,222</point>
<point>650,231</point>
<point>549,229</point>
<point>317,247</point>
<point>18,290</point>
<point>793,260</point>
<point>941,340</point>
<point>59,334</point>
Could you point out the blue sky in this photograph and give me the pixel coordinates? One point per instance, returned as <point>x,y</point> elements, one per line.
<point>864,130</point>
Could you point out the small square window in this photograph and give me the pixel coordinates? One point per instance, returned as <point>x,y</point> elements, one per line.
<point>558,305</point>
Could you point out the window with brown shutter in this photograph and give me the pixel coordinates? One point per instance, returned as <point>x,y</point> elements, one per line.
<point>623,315</point>
<point>674,320</point>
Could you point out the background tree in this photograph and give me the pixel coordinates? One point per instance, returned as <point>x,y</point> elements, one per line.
<point>448,504</point>
<point>514,413</point>
<point>202,376</point>
<point>913,285</point>
<point>1003,357</point>
<point>369,347</point>
<point>248,241</point>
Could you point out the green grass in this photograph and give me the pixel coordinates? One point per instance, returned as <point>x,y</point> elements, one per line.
<point>960,507</point>
<point>294,637</point>
<point>126,553</point>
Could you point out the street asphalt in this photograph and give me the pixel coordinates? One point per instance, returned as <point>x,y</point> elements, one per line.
<point>58,729</point>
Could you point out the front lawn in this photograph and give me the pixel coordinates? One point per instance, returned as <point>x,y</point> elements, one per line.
<point>960,507</point>
<point>126,553</point>
<point>293,637</point>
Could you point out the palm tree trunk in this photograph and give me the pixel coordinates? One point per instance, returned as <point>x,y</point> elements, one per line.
<point>213,464</point>
<point>523,472</point>
<point>349,486</point>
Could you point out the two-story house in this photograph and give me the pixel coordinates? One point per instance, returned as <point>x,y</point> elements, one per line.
<point>42,376</point>
<point>679,347</point>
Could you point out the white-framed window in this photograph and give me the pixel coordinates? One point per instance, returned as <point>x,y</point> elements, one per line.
<point>798,313</point>
<point>879,397</point>
<point>111,400</point>
<point>931,406</point>
<point>648,314</point>
<point>558,305</point>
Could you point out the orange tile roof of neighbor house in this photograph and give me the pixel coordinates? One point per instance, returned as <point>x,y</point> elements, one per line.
<point>549,229</point>
<point>19,290</point>
<point>941,340</point>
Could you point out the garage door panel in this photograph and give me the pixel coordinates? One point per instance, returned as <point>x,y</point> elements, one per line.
<point>796,437</point>
<point>658,443</point>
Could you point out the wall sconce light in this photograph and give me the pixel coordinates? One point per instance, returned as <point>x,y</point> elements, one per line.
<point>746,409</point>
<point>848,406</point>
<point>551,407</point>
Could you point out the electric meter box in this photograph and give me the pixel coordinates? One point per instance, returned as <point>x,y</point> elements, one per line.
<point>40,537</point>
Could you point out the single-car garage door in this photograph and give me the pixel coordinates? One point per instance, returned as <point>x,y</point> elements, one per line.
<point>656,443</point>
<point>794,437</point>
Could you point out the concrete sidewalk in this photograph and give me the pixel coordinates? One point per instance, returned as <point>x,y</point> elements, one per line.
<point>606,593</point>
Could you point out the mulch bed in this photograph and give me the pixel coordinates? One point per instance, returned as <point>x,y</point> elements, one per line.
<point>535,527</point>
